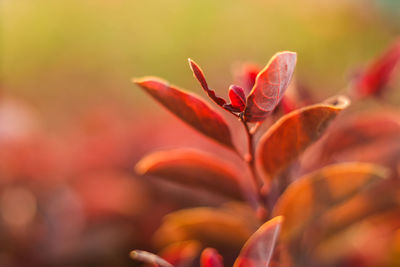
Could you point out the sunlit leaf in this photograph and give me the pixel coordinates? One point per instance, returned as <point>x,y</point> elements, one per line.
<point>149,258</point>
<point>188,107</point>
<point>258,250</point>
<point>213,227</point>
<point>193,168</point>
<point>294,132</point>
<point>310,196</point>
<point>211,258</point>
<point>270,86</point>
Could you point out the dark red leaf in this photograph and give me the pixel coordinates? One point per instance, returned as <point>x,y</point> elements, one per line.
<point>189,107</point>
<point>198,73</point>
<point>258,250</point>
<point>374,79</point>
<point>193,168</point>
<point>294,132</point>
<point>149,258</point>
<point>211,258</point>
<point>237,97</point>
<point>270,86</point>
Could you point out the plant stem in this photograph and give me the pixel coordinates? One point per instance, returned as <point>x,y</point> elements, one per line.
<point>250,160</point>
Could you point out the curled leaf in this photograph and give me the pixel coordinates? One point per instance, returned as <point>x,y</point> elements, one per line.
<point>238,99</point>
<point>192,168</point>
<point>188,107</point>
<point>270,86</point>
<point>198,73</point>
<point>211,258</point>
<point>294,132</point>
<point>310,196</point>
<point>258,250</point>
<point>149,258</point>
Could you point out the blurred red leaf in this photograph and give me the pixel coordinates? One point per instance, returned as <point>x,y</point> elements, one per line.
<point>309,196</point>
<point>190,108</point>
<point>192,168</point>
<point>294,132</point>
<point>181,254</point>
<point>198,73</point>
<point>149,258</point>
<point>270,86</point>
<point>374,79</point>
<point>211,258</point>
<point>214,227</point>
<point>258,250</point>
<point>245,75</point>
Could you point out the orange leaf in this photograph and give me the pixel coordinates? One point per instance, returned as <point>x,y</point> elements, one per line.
<point>192,168</point>
<point>258,250</point>
<point>181,253</point>
<point>270,86</point>
<point>188,107</point>
<point>213,227</point>
<point>313,194</point>
<point>211,258</point>
<point>294,132</point>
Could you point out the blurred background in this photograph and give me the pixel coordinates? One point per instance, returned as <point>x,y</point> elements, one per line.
<point>72,125</point>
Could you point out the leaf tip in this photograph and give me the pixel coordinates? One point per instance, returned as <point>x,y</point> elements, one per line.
<point>339,102</point>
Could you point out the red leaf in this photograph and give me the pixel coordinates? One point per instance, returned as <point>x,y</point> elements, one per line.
<point>192,168</point>
<point>181,254</point>
<point>149,258</point>
<point>237,97</point>
<point>270,86</point>
<point>374,79</point>
<point>294,132</point>
<point>246,75</point>
<point>258,250</point>
<point>190,108</point>
<point>211,258</point>
<point>198,73</point>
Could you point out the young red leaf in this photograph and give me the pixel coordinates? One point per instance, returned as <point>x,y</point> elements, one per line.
<point>211,258</point>
<point>192,168</point>
<point>311,195</point>
<point>270,86</point>
<point>258,250</point>
<point>198,73</point>
<point>149,258</point>
<point>374,79</point>
<point>294,132</point>
<point>237,97</point>
<point>188,107</point>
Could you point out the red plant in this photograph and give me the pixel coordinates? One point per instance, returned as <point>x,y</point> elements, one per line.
<point>337,195</point>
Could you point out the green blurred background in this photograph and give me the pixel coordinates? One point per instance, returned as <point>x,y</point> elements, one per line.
<point>63,55</point>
